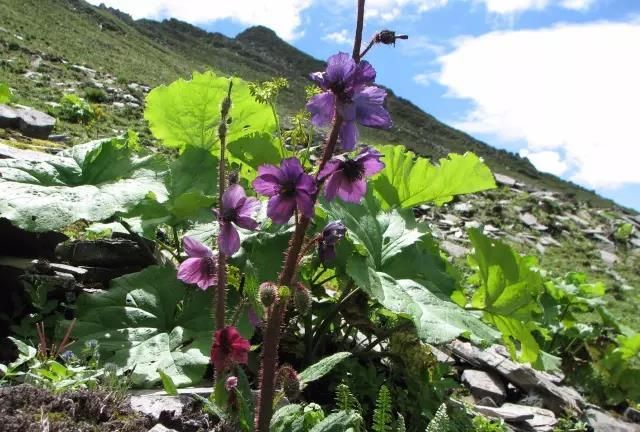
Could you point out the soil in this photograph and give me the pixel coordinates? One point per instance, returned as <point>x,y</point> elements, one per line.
<point>25,408</point>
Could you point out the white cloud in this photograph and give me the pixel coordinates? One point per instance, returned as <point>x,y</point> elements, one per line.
<point>389,10</point>
<point>568,88</point>
<point>283,16</point>
<point>508,7</point>
<point>341,37</point>
<point>419,45</point>
<point>424,79</point>
<point>547,161</point>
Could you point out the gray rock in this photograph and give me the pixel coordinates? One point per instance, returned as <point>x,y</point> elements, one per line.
<point>556,398</point>
<point>441,356</point>
<point>454,249</point>
<point>504,180</point>
<point>464,208</point>
<point>487,402</point>
<point>35,124</point>
<point>608,258</point>
<point>161,428</point>
<point>111,253</point>
<point>525,417</point>
<point>59,138</point>
<point>632,414</point>
<point>154,405</point>
<point>601,421</point>
<point>8,117</point>
<point>484,384</point>
<point>528,219</point>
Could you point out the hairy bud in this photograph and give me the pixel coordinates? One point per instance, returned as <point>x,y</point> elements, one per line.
<point>302,299</point>
<point>389,37</point>
<point>288,380</point>
<point>268,293</point>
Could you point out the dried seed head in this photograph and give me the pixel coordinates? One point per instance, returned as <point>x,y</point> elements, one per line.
<point>287,379</point>
<point>302,299</point>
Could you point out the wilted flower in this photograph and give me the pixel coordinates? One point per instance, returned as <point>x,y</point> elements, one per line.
<point>331,235</point>
<point>348,90</point>
<point>200,267</point>
<point>288,379</point>
<point>237,209</point>
<point>231,383</point>
<point>345,177</point>
<point>288,187</point>
<point>67,356</point>
<point>229,347</point>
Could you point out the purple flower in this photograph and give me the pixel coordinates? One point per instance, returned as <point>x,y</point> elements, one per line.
<point>231,383</point>
<point>237,209</point>
<point>348,90</point>
<point>346,177</point>
<point>200,267</point>
<point>331,235</point>
<point>288,187</point>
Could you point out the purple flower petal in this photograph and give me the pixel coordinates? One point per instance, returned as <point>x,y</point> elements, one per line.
<point>246,222</point>
<point>340,67</point>
<point>329,168</point>
<point>369,109</point>
<point>319,78</point>
<point>322,108</point>
<point>280,209</point>
<point>190,270</point>
<point>365,74</point>
<point>194,248</point>
<point>233,196</point>
<point>371,162</point>
<point>228,239</point>
<point>353,192</point>
<point>306,184</point>
<point>305,204</point>
<point>291,169</point>
<point>267,183</point>
<point>249,207</point>
<point>348,135</point>
<point>332,185</point>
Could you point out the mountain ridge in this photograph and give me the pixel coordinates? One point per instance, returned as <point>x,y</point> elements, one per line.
<point>156,52</point>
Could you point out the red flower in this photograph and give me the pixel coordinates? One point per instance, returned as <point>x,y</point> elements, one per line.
<point>229,348</point>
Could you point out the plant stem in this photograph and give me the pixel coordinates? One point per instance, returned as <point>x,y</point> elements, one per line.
<point>283,151</point>
<point>332,314</point>
<point>272,333</point>
<point>222,259</point>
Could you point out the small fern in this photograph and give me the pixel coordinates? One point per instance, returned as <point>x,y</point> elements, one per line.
<point>345,400</point>
<point>441,421</point>
<point>382,413</point>
<point>400,426</point>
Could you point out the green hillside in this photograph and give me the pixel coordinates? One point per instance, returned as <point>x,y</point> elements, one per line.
<point>153,53</point>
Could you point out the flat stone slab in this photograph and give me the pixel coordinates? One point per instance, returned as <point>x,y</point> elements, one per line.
<point>484,384</point>
<point>557,398</point>
<point>531,418</point>
<point>601,421</point>
<point>528,219</point>
<point>504,180</point>
<point>453,249</point>
<point>155,405</point>
<point>8,117</point>
<point>34,123</point>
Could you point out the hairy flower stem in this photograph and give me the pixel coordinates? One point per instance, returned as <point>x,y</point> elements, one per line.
<point>276,317</point>
<point>222,259</point>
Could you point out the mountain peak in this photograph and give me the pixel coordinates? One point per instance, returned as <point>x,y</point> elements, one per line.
<point>260,34</point>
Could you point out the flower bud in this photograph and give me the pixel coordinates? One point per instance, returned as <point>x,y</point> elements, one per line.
<point>287,379</point>
<point>268,293</point>
<point>302,299</point>
<point>231,383</point>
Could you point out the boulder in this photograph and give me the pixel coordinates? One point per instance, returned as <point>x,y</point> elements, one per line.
<point>155,405</point>
<point>484,384</point>
<point>453,249</point>
<point>601,421</point>
<point>525,418</point>
<point>109,253</point>
<point>161,428</point>
<point>528,219</point>
<point>607,257</point>
<point>632,414</point>
<point>557,398</point>
<point>8,117</point>
<point>35,124</point>
<point>504,180</point>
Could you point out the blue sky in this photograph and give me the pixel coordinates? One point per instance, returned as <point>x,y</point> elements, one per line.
<point>557,81</point>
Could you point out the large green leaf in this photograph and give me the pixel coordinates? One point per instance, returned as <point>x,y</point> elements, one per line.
<point>254,150</point>
<point>396,263</point>
<point>149,321</point>
<point>408,181</point>
<point>92,181</point>
<point>192,184</point>
<point>188,112</point>
<point>437,320</point>
<point>321,368</point>
<point>380,235</point>
<point>5,93</point>
<point>338,422</point>
<point>508,293</point>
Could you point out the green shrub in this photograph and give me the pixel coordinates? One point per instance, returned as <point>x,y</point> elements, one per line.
<point>95,95</point>
<point>74,109</point>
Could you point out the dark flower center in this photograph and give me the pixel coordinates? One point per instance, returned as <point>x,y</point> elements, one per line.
<point>209,266</point>
<point>288,188</point>
<point>339,89</point>
<point>352,169</point>
<point>229,215</point>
